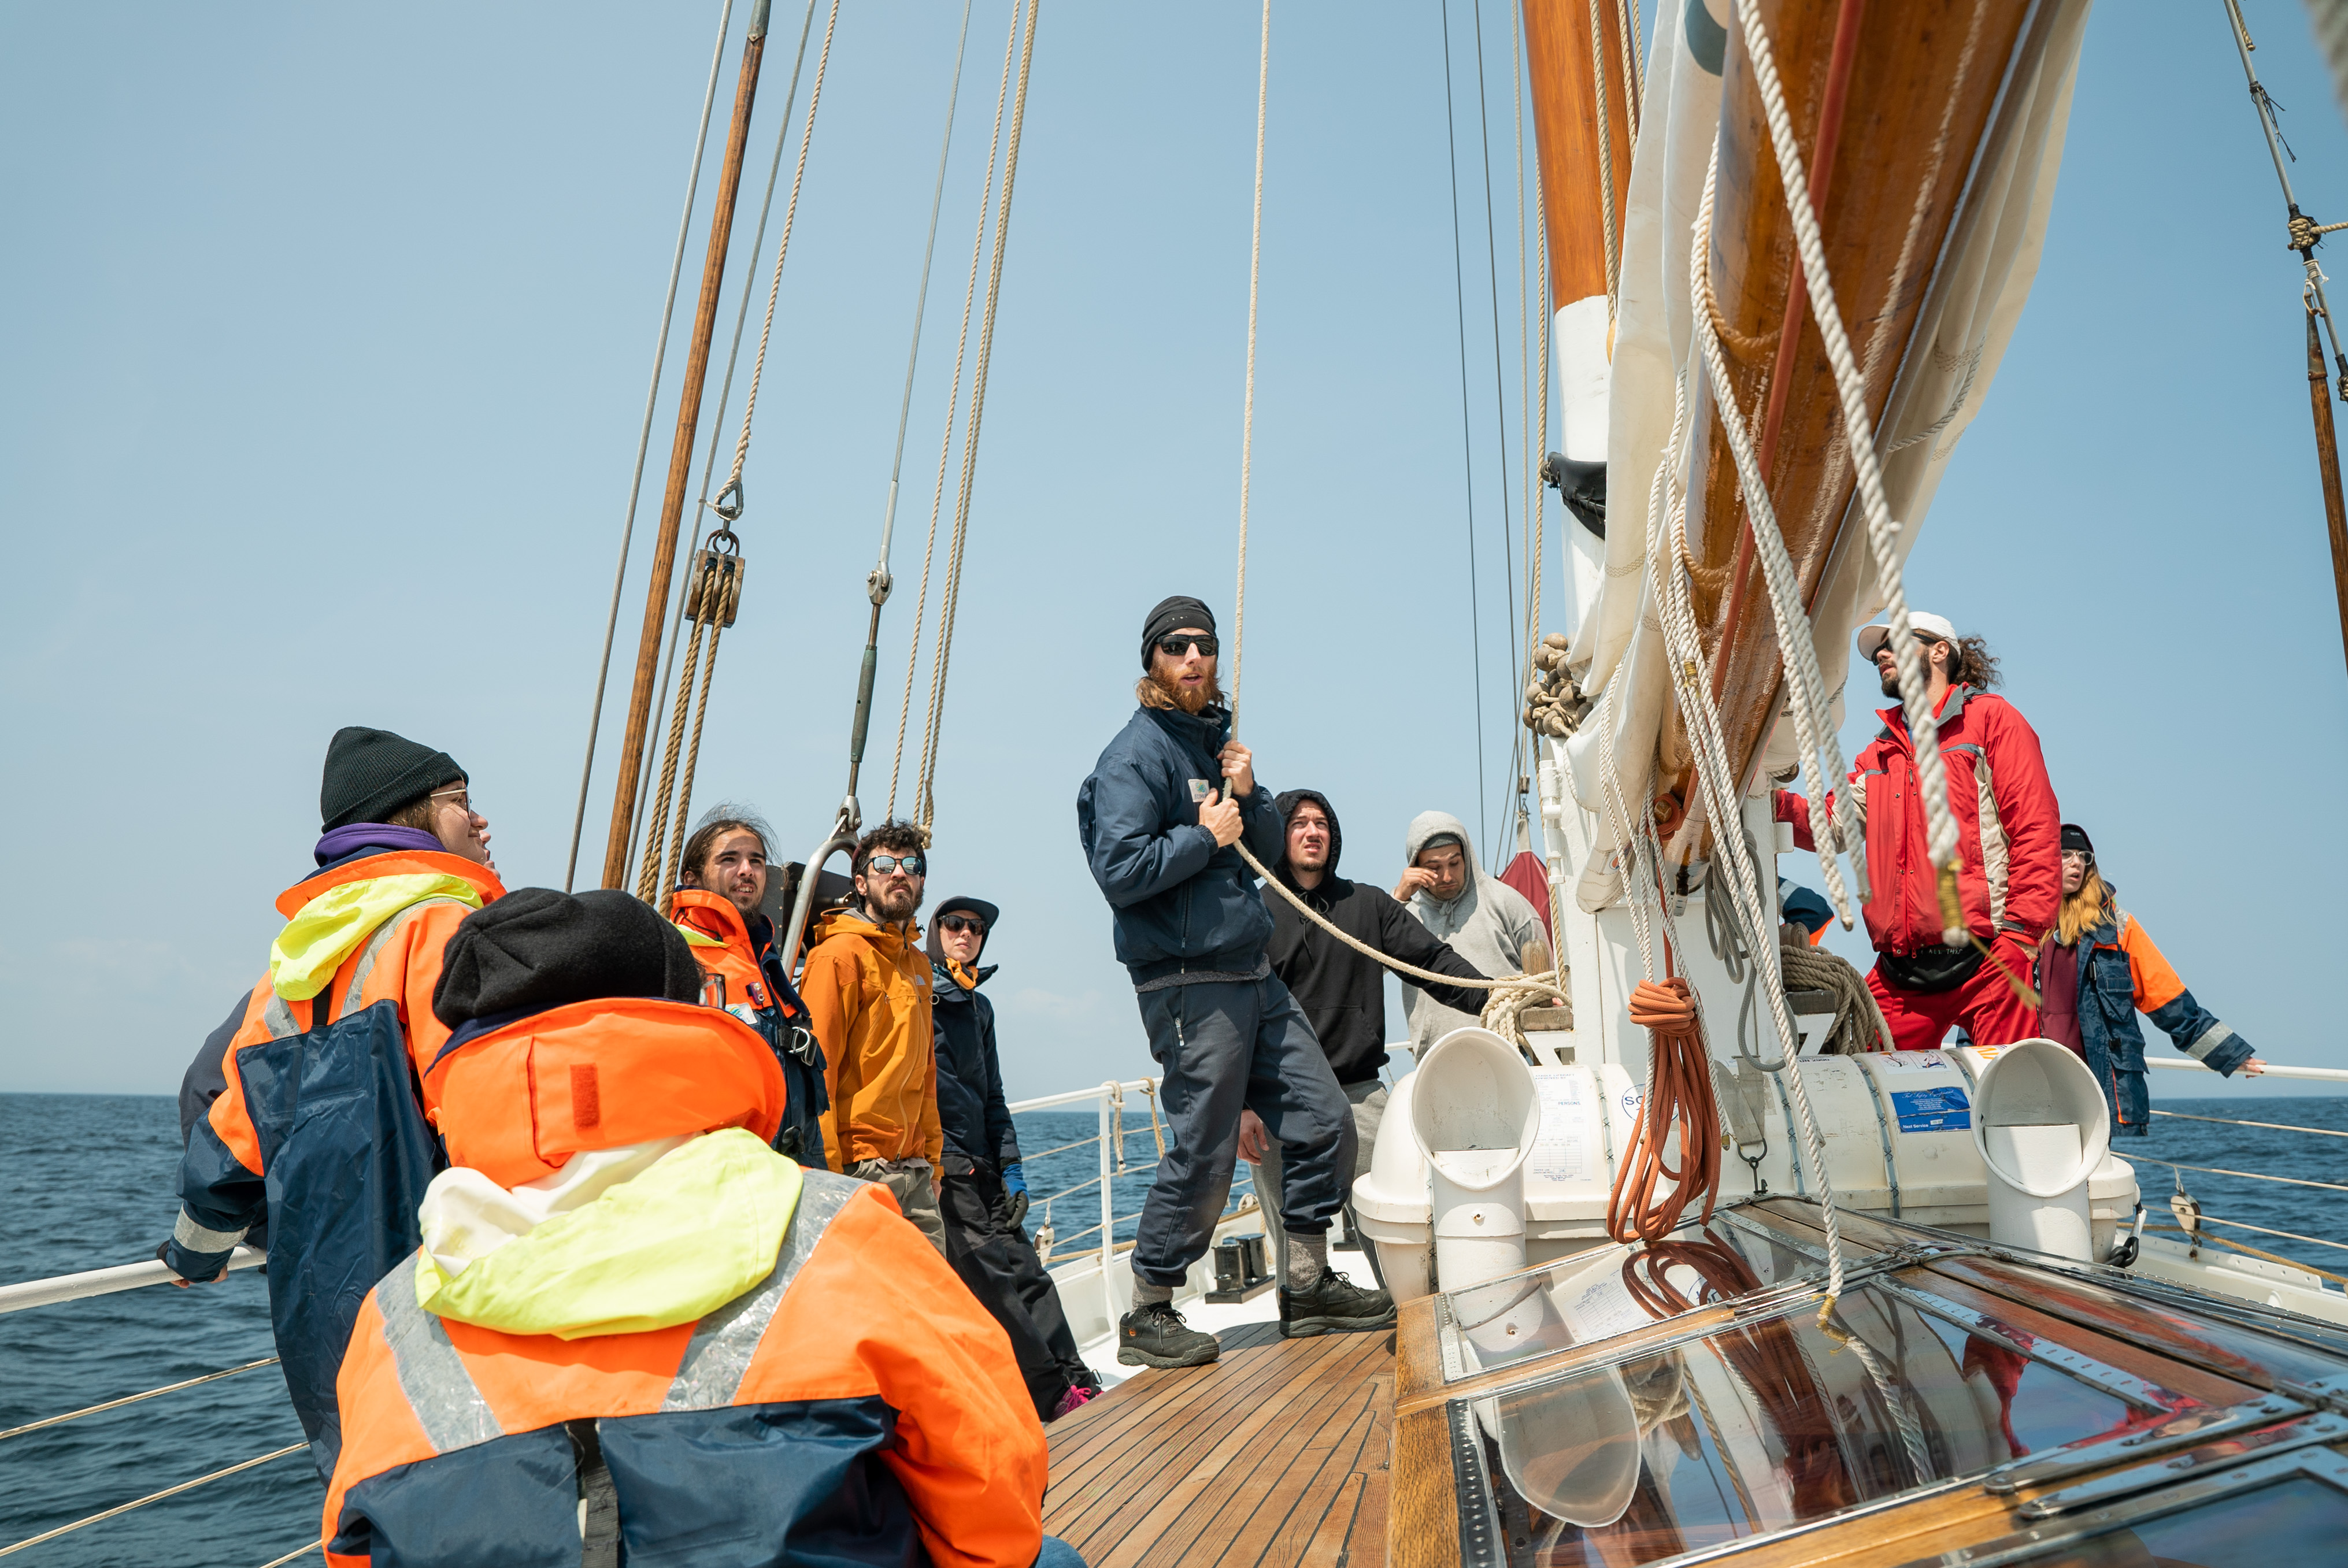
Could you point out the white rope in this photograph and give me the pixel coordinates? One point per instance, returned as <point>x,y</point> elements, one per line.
<point>1882,532</point>
<point>1807,702</point>
<point>1247,413</point>
<point>924,800</point>
<point>782,249</point>
<point>644,437</point>
<point>1605,154</point>
<point>1626,20</point>
<point>954,406</point>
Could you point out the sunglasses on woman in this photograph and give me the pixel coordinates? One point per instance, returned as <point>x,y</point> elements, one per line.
<point>963,923</point>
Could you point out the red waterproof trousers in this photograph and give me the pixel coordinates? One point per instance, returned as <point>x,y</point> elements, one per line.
<point>1986,1004</point>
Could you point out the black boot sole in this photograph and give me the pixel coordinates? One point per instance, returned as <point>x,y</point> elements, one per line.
<point>1312,1328</point>
<point>1130,1356</point>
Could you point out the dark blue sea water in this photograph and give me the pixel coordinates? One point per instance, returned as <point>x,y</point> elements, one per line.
<point>90,1181</point>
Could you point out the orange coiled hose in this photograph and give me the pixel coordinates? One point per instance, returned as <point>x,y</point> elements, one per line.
<point>1650,1194</point>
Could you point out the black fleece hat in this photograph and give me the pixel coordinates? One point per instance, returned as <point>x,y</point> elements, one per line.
<point>1287,801</point>
<point>370,773</point>
<point>537,948</point>
<point>1172,615</point>
<point>2076,838</point>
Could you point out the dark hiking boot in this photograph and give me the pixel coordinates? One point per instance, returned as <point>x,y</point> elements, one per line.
<point>1155,1336</point>
<point>1334,1304</point>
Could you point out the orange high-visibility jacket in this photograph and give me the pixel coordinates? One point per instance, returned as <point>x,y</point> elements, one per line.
<point>856,1404</point>
<point>318,1127</point>
<point>868,988</point>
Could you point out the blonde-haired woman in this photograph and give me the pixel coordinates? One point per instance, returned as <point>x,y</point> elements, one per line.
<point>2097,970</point>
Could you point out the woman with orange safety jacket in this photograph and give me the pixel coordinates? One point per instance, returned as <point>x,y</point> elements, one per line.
<point>317,1126</point>
<point>2097,970</point>
<point>629,1320</point>
<point>722,883</point>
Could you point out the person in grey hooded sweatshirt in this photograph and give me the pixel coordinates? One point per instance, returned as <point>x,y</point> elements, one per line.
<point>1484,920</point>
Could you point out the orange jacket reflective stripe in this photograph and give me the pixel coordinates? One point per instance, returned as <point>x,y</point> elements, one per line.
<point>867,989</point>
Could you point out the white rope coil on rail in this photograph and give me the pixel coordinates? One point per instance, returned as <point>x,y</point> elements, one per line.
<point>1882,532</point>
<point>1806,688</point>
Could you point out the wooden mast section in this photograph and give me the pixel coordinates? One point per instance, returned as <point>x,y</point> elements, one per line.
<point>680,461</point>
<point>1571,84</point>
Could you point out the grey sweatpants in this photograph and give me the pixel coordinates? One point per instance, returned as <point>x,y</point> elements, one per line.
<point>910,1182</point>
<point>1223,1046</point>
<point>1369,1101</point>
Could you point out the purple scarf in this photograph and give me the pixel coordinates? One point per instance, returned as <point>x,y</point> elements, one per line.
<point>342,843</point>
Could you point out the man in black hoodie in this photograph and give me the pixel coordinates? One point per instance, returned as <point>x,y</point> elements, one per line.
<point>1342,991</point>
<point>983,1192</point>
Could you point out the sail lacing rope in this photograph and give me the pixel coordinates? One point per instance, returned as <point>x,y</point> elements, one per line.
<point>644,437</point>
<point>954,408</point>
<point>1882,532</point>
<point>1814,735</point>
<point>925,799</point>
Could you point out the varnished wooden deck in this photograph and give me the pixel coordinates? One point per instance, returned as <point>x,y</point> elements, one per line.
<point>1275,1455</point>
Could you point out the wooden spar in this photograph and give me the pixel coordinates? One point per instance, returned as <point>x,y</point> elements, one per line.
<point>1561,75</point>
<point>680,461</point>
<point>2327,460</point>
<point>1923,80</point>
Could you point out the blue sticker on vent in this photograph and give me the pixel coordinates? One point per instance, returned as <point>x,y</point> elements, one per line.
<point>1932,1110</point>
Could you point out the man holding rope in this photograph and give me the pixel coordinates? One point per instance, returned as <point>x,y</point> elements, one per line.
<point>1159,832</point>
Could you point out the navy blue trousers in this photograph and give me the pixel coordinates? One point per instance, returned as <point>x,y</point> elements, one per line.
<point>1225,1046</point>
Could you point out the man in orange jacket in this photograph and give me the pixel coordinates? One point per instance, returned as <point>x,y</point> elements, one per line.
<point>315,1126</point>
<point>867,985</point>
<point>631,1326</point>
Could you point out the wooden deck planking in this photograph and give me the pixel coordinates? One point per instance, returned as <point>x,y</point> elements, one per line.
<point>1275,1457</point>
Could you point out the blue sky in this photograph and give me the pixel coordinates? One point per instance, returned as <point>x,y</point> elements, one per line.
<point>326,338</point>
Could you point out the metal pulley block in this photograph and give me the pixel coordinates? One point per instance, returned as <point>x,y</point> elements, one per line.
<point>716,594</point>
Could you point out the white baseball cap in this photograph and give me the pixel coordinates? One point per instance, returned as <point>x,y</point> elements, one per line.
<point>1872,638</point>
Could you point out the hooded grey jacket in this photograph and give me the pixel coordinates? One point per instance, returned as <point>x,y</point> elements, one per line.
<point>1488,925</point>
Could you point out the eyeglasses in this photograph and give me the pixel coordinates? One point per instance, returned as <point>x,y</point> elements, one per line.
<point>970,923</point>
<point>463,801</point>
<point>881,864</point>
<point>1175,647</point>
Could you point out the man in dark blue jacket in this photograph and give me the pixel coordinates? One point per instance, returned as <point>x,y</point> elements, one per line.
<point>1157,828</point>
<point>983,1191</point>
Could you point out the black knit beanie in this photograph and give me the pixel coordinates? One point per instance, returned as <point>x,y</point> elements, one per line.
<point>537,948</point>
<point>1172,615</point>
<point>370,773</point>
<point>2076,838</point>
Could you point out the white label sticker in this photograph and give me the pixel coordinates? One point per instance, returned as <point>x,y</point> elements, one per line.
<point>1560,1154</point>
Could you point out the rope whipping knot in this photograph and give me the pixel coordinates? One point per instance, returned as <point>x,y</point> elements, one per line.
<point>1554,703</point>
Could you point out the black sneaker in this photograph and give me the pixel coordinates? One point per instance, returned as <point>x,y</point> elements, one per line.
<point>1155,1336</point>
<point>1334,1304</point>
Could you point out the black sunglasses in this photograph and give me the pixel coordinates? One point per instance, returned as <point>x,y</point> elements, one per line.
<point>881,864</point>
<point>963,923</point>
<point>1175,647</point>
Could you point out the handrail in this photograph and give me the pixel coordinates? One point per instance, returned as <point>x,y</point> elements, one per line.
<point>105,1281</point>
<point>16,1546</point>
<point>1076,1096</point>
<point>2189,1064</point>
<point>134,1398</point>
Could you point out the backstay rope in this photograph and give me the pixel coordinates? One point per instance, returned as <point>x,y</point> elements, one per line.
<point>1247,408</point>
<point>925,803</point>
<point>954,409</point>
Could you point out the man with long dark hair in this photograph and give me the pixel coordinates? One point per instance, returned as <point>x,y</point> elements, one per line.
<point>1159,829</point>
<point>2009,865</point>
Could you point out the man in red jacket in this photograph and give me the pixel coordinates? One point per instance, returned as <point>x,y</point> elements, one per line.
<point>2009,849</point>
